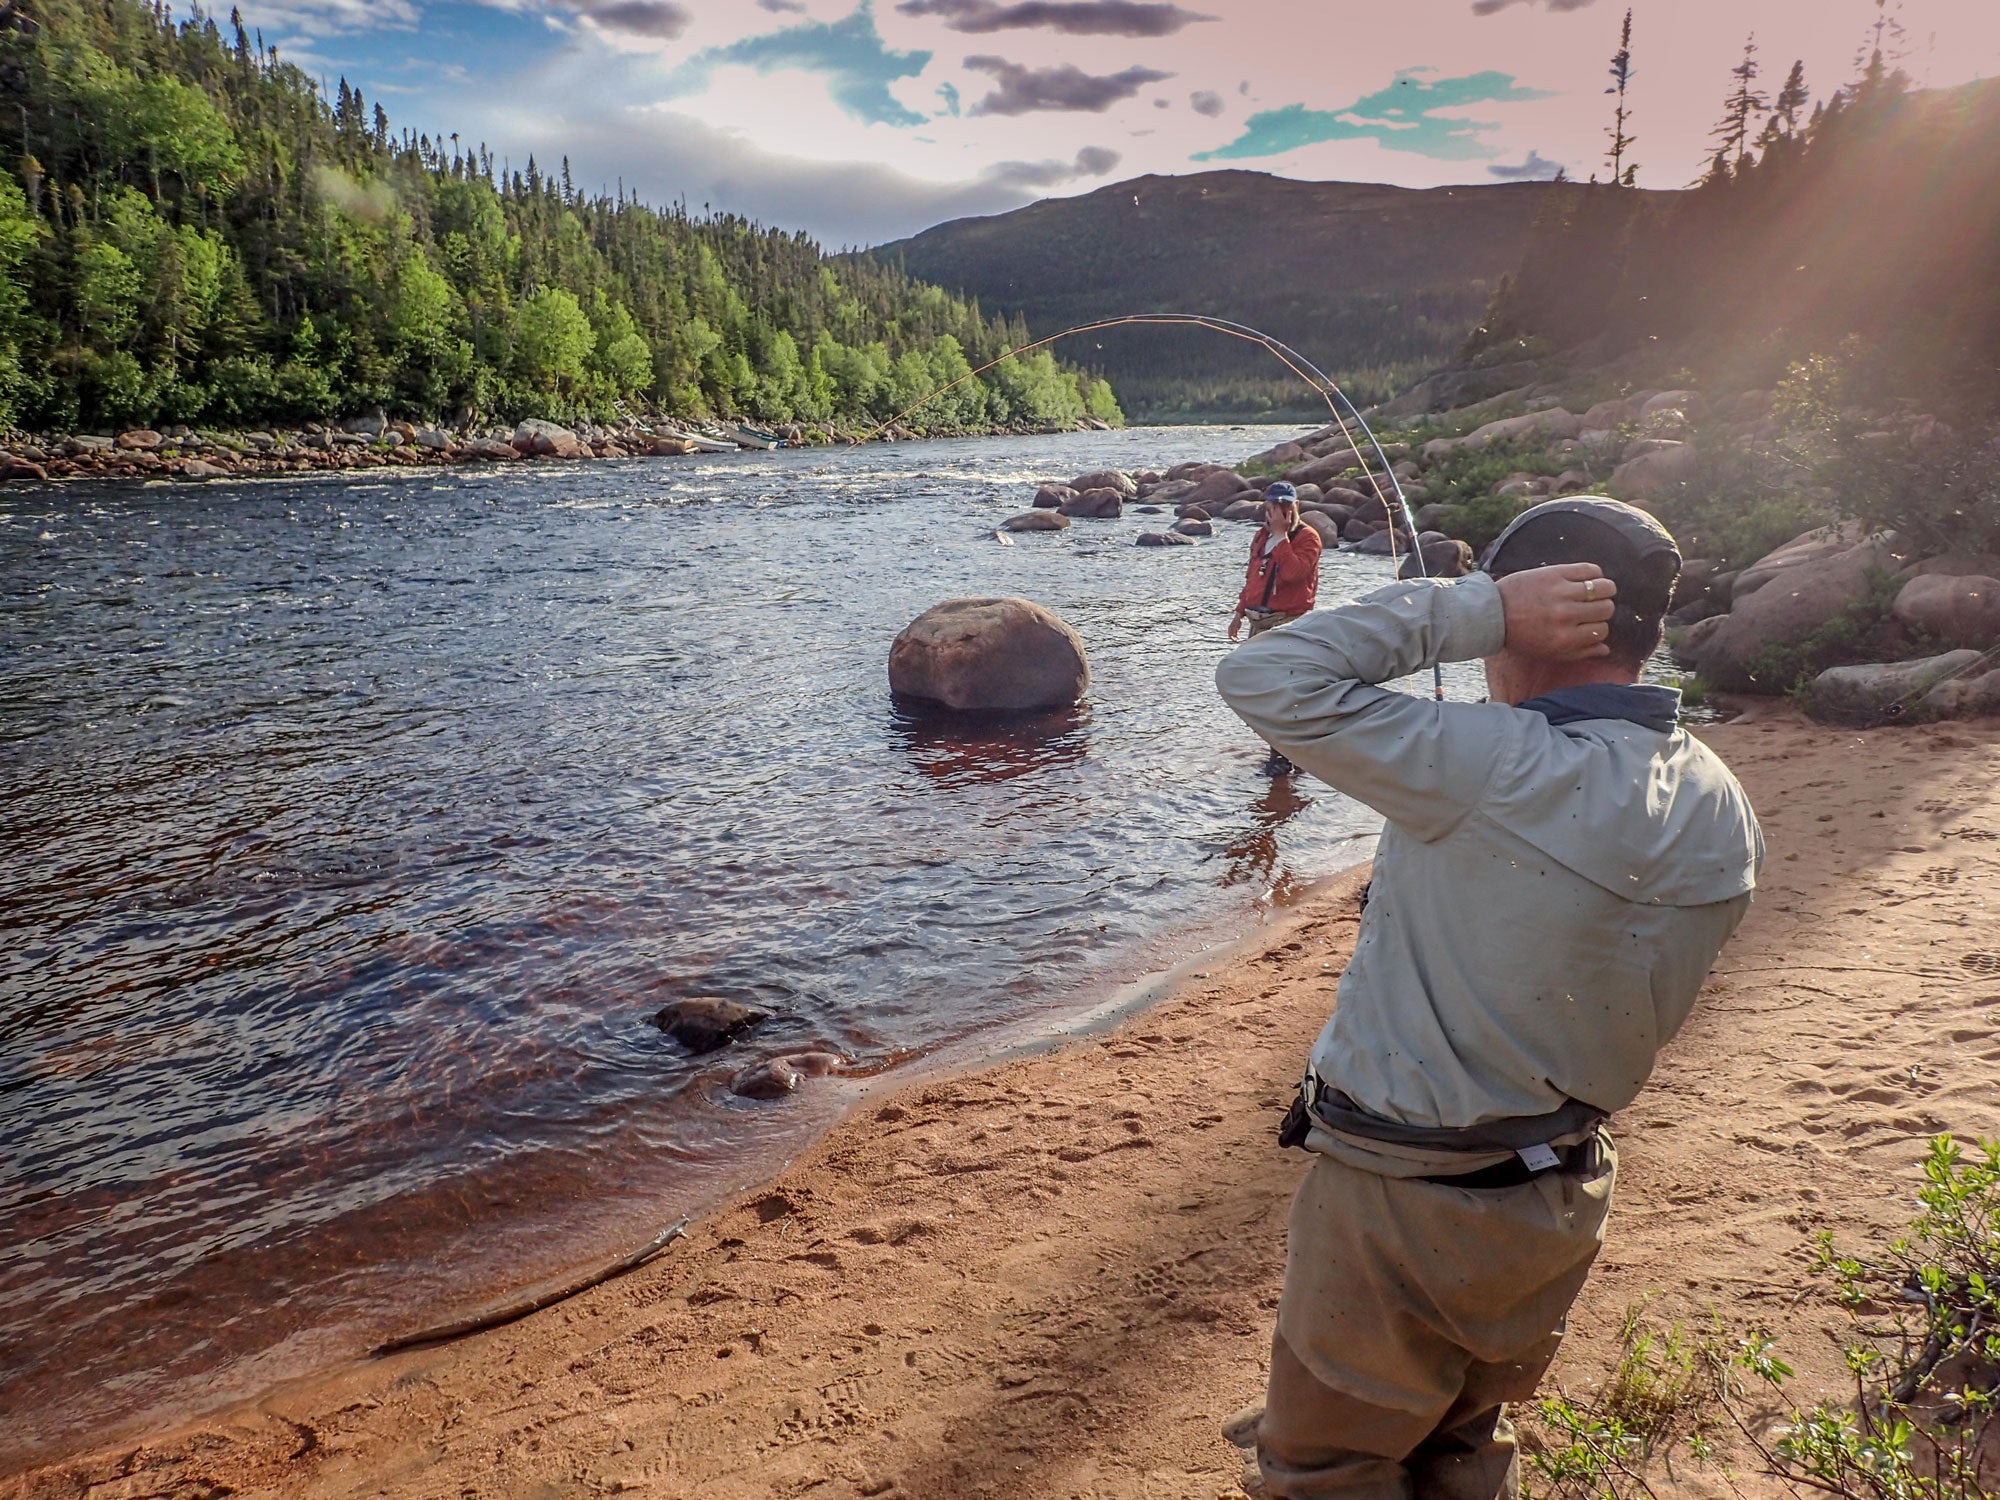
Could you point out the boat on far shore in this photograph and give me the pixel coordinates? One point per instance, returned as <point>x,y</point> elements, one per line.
<point>750,437</point>
<point>701,441</point>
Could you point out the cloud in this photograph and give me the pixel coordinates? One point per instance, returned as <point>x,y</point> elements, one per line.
<point>1091,161</point>
<point>1488,7</point>
<point>849,51</point>
<point>782,7</point>
<point>1537,168</point>
<point>1140,18</point>
<point>1205,102</point>
<point>318,18</point>
<point>655,20</point>
<point>1023,90</point>
<point>1402,117</point>
<point>667,154</point>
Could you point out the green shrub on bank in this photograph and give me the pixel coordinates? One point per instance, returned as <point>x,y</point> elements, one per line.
<point>1924,1355</point>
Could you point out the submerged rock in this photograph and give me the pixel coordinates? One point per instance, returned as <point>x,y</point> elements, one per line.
<point>705,1023</point>
<point>1036,520</point>
<point>778,1076</point>
<point>989,655</point>
<point>1164,539</point>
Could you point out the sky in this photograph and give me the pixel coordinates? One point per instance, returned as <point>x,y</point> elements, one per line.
<point>862,121</point>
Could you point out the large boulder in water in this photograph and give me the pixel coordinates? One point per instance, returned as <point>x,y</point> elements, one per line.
<point>989,655</point>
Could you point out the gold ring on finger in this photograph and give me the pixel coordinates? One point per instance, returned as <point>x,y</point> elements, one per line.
<point>1590,588</point>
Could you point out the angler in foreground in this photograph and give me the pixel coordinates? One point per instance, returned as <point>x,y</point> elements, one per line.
<point>1559,870</point>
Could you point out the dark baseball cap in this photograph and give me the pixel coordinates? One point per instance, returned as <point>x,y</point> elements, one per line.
<point>1641,535</point>
<point>1282,492</point>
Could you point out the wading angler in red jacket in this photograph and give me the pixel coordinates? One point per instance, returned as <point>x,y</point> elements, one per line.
<point>1283,579</point>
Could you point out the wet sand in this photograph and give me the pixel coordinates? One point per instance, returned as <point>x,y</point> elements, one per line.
<point>1054,1277</point>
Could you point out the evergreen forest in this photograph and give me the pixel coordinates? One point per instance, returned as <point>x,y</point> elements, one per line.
<point>1862,235</point>
<point>192,231</point>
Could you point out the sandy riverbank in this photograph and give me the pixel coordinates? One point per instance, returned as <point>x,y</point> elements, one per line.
<point>1052,1278</point>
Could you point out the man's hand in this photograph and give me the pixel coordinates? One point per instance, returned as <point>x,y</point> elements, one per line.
<point>1277,519</point>
<point>1235,624</point>
<point>1560,613</point>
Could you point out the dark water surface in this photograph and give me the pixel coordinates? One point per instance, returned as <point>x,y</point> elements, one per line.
<point>355,829</point>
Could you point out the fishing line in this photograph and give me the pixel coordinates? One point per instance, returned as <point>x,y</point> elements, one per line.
<point>1322,384</point>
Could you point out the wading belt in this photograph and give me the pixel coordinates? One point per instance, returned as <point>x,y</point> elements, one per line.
<point>1528,1137</point>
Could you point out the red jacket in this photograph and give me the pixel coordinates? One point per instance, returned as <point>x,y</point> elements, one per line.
<point>1287,580</point>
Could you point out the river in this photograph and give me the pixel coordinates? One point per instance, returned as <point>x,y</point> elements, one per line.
<point>358,825</point>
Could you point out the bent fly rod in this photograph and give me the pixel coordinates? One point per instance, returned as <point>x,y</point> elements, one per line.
<point>1322,384</point>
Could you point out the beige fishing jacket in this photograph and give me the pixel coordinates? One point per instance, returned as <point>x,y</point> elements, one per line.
<point>1547,898</point>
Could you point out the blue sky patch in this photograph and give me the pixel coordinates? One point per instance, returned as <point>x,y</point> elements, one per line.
<point>850,51</point>
<point>1401,117</point>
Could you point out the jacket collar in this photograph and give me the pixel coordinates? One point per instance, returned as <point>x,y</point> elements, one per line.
<point>1650,707</point>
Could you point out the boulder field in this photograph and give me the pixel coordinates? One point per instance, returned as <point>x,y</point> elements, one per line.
<point>1353,515</point>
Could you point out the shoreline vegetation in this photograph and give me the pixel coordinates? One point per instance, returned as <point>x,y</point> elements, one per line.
<point>194,235</point>
<point>376,441</point>
<point>1055,1275</point>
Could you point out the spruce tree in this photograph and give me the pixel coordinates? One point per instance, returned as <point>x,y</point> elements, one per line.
<point>1732,135</point>
<point>1783,122</point>
<point>1621,78</point>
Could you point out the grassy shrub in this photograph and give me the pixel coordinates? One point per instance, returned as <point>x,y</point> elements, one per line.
<point>1666,1393</point>
<point>1924,1354</point>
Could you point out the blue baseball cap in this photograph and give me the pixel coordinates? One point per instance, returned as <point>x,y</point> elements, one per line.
<point>1282,493</point>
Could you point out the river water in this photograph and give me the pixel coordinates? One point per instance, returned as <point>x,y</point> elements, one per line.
<point>357,826</point>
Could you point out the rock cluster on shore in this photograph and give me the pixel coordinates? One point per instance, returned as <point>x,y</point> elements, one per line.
<point>369,441</point>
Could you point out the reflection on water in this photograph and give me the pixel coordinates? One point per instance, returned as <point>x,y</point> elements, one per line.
<point>955,748</point>
<point>1253,856</point>
<point>364,824</point>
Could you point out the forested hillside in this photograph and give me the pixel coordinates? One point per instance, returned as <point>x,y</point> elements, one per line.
<point>191,231</point>
<point>1867,234</point>
<point>1375,284</point>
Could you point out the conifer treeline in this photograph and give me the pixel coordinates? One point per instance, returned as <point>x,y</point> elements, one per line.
<point>1869,228</point>
<point>192,232</point>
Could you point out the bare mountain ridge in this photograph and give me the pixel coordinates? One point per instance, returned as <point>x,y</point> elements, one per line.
<point>1376,284</point>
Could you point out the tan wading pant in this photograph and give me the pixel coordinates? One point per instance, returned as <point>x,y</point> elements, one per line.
<point>1261,623</point>
<point>1411,1312</point>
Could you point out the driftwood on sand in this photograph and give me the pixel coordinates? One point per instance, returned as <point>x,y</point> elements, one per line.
<point>480,1322</point>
